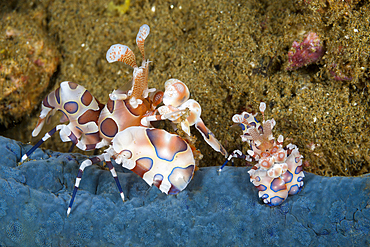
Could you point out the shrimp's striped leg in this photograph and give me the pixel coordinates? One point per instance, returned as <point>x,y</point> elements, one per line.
<point>46,136</point>
<point>81,144</point>
<point>84,164</point>
<point>114,174</point>
<point>72,147</point>
<point>235,154</point>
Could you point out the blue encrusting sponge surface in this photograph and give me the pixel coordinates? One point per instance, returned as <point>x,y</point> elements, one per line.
<point>214,210</point>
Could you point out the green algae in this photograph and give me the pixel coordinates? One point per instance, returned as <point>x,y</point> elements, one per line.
<point>232,55</point>
<point>120,8</point>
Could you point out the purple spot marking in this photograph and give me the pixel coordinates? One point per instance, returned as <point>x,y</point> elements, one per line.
<point>71,107</point>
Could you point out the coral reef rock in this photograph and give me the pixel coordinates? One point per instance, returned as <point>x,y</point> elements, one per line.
<point>28,60</point>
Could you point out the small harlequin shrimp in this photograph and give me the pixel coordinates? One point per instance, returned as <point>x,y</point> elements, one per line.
<point>278,172</point>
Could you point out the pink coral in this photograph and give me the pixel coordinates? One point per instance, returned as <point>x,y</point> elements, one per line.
<point>341,74</point>
<point>305,53</point>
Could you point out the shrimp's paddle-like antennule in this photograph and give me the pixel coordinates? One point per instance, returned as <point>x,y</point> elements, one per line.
<point>139,90</point>
<point>140,38</point>
<point>121,53</point>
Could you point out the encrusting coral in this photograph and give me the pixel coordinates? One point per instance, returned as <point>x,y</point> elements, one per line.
<point>309,51</point>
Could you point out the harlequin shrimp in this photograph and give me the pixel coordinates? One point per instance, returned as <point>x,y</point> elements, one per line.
<point>278,172</point>
<point>160,158</point>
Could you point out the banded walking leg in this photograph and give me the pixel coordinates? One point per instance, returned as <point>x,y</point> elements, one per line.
<point>72,147</point>
<point>235,154</point>
<point>83,165</point>
<point>72,137</point>
<point>107,158</point>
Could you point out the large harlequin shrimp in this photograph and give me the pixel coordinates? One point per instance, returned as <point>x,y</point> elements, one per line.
<point>160,158</point>
<point>279,170</point>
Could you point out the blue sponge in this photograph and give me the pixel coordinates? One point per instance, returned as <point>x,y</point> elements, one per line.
<point>214,210</point>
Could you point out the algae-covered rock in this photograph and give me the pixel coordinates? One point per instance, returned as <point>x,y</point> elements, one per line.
<point>28,61</point>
